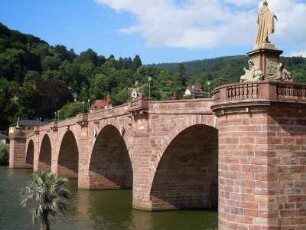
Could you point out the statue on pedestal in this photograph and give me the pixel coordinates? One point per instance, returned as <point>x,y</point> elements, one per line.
<point>264,59</point>
<point>265,21</point>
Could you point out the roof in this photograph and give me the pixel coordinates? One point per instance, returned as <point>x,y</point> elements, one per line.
<point>27,123</point>
<point>99,104</point>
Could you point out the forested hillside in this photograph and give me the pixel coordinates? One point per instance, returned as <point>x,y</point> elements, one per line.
<point>231,68</point>
<point>37,79</point>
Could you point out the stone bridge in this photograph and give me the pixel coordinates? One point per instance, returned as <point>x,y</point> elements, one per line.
<point>248,144</point>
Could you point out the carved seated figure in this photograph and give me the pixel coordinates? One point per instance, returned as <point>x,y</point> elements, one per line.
<point>282,74</point>
<point>251,74</point>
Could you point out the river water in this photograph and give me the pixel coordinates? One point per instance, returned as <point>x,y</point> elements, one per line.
<point>89,210</point>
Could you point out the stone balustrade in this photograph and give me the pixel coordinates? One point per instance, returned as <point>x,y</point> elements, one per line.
<point>264,90</point>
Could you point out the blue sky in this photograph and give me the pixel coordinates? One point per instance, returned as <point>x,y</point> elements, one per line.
<point>157,30</point>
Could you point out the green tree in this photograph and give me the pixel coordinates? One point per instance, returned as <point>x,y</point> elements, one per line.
<point>32,76</point>
<point>110,64</point>
<point>12,66</point>
<point>50,63</point>
<point>41,49</point>
<point>86,69</point>
<point>72,109</point>
<point>119,96</point>
<point>88,55</point>
<point>70,72</point>
<point>54,94</point>
<point>29,101</point>
<point>218,82</point>
<point>100,85</point>
<point>136,62</point>
<point>8,107</point>
<point>47,195</point>
<point>3,154</point>
<point>182,73</point>
<point>64,53</point>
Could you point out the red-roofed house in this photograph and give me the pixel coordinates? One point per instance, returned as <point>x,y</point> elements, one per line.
<point>101,104</point>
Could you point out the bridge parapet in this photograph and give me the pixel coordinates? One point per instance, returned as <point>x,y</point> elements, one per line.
<point>194,106</point>
<point>108,113</point>
<point>252,94</point>
<point>266,90</point>
<point>139,104</point>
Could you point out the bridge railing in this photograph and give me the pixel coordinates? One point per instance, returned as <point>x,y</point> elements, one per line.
<point>109,112</point>
<point>265,90</point>
<point>138,104</point>
<point>188,106</point>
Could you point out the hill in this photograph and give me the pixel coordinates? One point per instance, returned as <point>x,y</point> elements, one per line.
<point>38,80</point>
<point>231,67</point>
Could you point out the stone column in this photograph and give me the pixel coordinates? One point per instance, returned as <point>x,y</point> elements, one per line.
<point>85,139</point>
<point>84,153</point>
<point>17,154</point>
<point>262,155</point>
<point>36,141</point>
<point>140,152</point>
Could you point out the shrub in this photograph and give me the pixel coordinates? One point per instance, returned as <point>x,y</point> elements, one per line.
<point>3,154</point>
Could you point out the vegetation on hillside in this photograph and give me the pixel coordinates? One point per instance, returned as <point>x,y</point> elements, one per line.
<point>37,80</point>
<point>231,68</point>
<point>3,154</point>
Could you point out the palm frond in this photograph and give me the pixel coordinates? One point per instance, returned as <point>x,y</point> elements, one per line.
<point>47,195</point>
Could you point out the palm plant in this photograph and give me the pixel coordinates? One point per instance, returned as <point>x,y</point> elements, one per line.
<point>47,195</point>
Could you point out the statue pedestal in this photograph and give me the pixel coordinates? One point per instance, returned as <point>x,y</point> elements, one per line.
<point>266,59</point>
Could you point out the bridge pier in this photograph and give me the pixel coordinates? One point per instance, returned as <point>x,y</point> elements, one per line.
<point>142,175</point>
<point>36,142</point>
<point>84,153</point>
<point>262,156</point>
<point>17,153</point>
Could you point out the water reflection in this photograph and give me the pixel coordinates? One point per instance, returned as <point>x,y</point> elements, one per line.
<point>111,209</point>
<point>90,210</point>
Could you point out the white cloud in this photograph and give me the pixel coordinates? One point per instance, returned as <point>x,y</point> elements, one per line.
<point>298,53</point>
<point>206,24</point>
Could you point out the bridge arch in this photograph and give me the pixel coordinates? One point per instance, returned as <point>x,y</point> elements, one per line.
<point>44,159</point>
<point>68,157</point>
<point>187,172</point>
<point>30,154</point>
<point>110,166</point>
